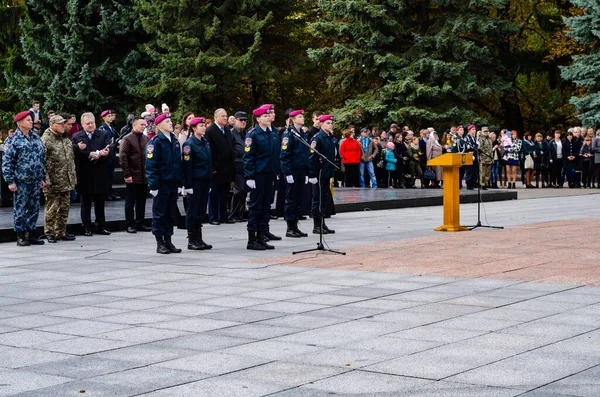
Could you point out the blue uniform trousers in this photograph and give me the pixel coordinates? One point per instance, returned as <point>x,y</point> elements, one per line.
<point>197,203</point>
<point>294,195</point>
<point>26,202</point>
<point>260,203</point>
<point>164,209</point>
<point>219,196</point>
<point>322,201</point>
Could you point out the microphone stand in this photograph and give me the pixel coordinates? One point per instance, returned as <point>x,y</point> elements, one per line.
<point>479,197</point>
<point>320,244</point>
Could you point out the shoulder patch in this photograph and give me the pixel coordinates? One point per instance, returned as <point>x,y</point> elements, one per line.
<point>150,149</point>
<point>187,149</point>
<point>285,141</point>
<point>186,157</point>
<point>248,142</point>
<point>313,144</point>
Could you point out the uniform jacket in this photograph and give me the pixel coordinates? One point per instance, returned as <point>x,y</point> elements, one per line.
<point>554,150</point>
<point>325,144</point>
<point>24,159</point>
<point>459,145</point>
<point>238,149</point>
<point>163,162</point>
<point>221,146</point>
<point>60,162</point>
<point>261,152</point>
<point>485,145</point>
<point>111,131</point>
<point>294,154</point>
<point>350,151</point>
<point>472,146</point>
<point>197,161</point>
<point>132,157</point>
<point>92,175</point>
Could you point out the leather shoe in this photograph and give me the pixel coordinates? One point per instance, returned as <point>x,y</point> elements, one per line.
<point>51,238</point>
<point>215,223</point>
<point>229,221</point>
<point>102,231</point>
<point>273,217</point>
<point>144,228</point>
<point>131,229</point>
<point>87,232</point>
<point>68,237</point>
<point>271,236</point>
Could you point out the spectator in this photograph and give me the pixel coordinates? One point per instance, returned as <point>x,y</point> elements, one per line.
<point>240,190</point>
<point>596,148</point>
<point>512,150</point>
<point>165,109</point>
<point>529,152</point>
<point>75,126</point>
<point>149,115</point>
<point>538,158</point>
<point>400,153</point>
<point>350,152</point>
<point>133,163</point>
<point>369,150</point>
<point>316,127</point>
<point>46,124</point>
<point>423,137</point>
<point>496,155</point>
<point>108,116</point>
<point>587,162</point>
<point>378,162</point>
<point>571,149</point>
<point>414,161</point>
<point>545,162</point>
<point>390,163</point>
<point>434,149</point>
<point>556,161</point>
<point>36,116</point>
<point>127,127</point>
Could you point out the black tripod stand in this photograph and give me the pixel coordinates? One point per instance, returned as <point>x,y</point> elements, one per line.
<point>479,197</point>
<point>320,244</point>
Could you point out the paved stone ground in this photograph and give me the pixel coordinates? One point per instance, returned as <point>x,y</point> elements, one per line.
<point>107,316</point>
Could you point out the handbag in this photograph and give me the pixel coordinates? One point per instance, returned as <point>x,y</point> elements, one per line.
<point>429,174</point>
<point>529,163</point>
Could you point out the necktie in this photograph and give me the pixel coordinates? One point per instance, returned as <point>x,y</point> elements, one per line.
<point>222,130</point>
<point>90,136</point>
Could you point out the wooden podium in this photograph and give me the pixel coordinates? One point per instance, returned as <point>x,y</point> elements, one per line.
<point>451,163</point>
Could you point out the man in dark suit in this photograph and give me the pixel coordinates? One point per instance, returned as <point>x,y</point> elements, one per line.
<point>220,139</point>
<point>92,149</point>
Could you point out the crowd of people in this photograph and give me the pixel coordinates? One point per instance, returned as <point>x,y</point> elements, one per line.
<point>233,172</point>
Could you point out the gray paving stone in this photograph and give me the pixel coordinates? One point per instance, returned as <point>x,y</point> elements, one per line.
<point>214,363</point>
<point>83,327</point>
<point>218,387</point>
<point>366,292</point>
<point>30,338</point>
<point>16,381</point>
<point>477,324</point>
<point>182,297</point>
<point>135,304</point>
<point>138,318</point>
<point>584,384</point>
<point>436,333</point>
<point>548,330</point>
<point>390,345</point>
<point>81,367</point>
<point>303,321</point>
<point>201,342</point>
<point>144,354</point>
<point>150,378</point>
<point>85,312</point>
<point>82,345</point>
<point>193,324</point>
<point>36,307</point>
<point>235,301</point>
<point>288,307</point>
<point>30,321</point>
<point>327,299</point>
<point>311,287</point>
<point>131,292</point>
<point>289,374</point>
<point>141,334</point>
<point>343,358</point>
<point>243,315</point>
<point>255,331</point>
<point>77,388</point>
<point>272,350</point>
<point>359,382</point>
<point>14,357</point>
<point>88,299</point>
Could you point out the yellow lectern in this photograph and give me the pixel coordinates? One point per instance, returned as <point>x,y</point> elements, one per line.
<point>451,163</point>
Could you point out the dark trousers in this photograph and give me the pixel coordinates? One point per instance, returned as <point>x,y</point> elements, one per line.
<point>86,209</point>
<point>322,201</point>
<point>260,203</point>
<point>135,198</point>
<point>219,195</point>
<point>294,194</point>
<point>164,207</point>
<point>556,177</point>
<point>240,192</point>
<point>197,203</point>
<point>281,186</point>
<point>111,172</point>
<point>471,174</point>
<point>351,175</point>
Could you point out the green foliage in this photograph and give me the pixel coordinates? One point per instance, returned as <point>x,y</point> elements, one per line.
<point>584,70</point>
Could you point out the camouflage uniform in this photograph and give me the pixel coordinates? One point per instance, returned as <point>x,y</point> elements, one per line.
<point>60,181</point>
<point>485,159</point>
<point>24,164</point>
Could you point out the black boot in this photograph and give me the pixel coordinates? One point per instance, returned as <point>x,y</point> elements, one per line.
<point>199,240</point>
<point>170,246</point>
<point>253,243</point>
<point>22,240</point>
<point>263,242</point>
<point>291,230</point>
<point>33,240</point>
<point>298,230</point>
<point>161,248</point>
<point>328,230</point>
<point>271,237</point>
<point>193,242</point>
<point>317,226</point>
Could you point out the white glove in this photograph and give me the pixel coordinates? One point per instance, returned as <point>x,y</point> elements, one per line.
<point>289,179</point>
<point>277,177</point>
<point>313,180</point>
<point>153,193</point>
<point>178,190</point>
<point>189,191</point>
<point>331,181</point>
<point>251,183</point>
<point>306,180</point>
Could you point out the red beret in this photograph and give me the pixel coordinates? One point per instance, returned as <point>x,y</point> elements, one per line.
<point>296,112</point>
<point>197,120</point>
<point>325,117</point>
<point>471,127</point>
<point>22,115</point>
<point>160,118</point>
<point>268,106</point>
<point>260,111</point>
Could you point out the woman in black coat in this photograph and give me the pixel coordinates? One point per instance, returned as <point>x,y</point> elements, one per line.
<point>571,148</point>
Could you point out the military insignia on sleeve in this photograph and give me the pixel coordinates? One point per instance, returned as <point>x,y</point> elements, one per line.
<point>284,147</point>
<point>150,149</point>
<point>247,149</point>
<point>285,141</point>
<point>186,157</point>
<point>186,150</point>
<point>149,155</point>
<point>248,142</point>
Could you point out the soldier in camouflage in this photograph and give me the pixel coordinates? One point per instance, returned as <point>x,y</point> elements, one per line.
<point>60,180</point>
<point>486,158</point>
<point>24,170</point>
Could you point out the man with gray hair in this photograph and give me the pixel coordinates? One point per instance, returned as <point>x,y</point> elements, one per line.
<point>220,139</point>
<point>92,148</point>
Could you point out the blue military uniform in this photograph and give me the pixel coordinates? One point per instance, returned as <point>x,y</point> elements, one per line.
<point>294,161</point>
<point>197,175</point>
<point>322,200</point>
<point>164,173</point>
<point>471,170</point>
<point>24,163</point>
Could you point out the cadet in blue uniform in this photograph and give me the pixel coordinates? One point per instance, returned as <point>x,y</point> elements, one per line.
<point>165,179</point>
<point>260,166</point>
<point>294,166</point>
<point>197,175</point>
<point>24,170</point>
<point>320,173</point>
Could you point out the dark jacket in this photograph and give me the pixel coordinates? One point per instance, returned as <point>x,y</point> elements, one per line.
<point>571,148</point>
<point>294,154</point>
<point>553,150</point>
<point>92,175</point>
<point>325,144</point>
<point>132,158</point>
<point>163,162</point>
<point>238,149</point>
<point>221,146</point>
<point>197,160</point>
<point>261,152</point>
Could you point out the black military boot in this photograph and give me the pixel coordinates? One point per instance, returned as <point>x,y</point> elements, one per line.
<point>21,240</point>
<point>263,242</point>
<point>299,231</point>
<point>33,240</point>
<point>328,230</point>
<point>271,237</point>
<point>199,240</point>
<point>317,226</point>
<point>253,243</point>
<point>193,241</point>
<point>161,248</point>
<point>291,230</point>
<point>170,246</point>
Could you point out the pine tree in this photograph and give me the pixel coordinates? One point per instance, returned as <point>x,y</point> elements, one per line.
<point>584,70</point>
<point>10,13</point>
<point>81,54</point>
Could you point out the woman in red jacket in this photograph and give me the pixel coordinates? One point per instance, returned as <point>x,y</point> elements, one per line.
<point>350,151</point>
